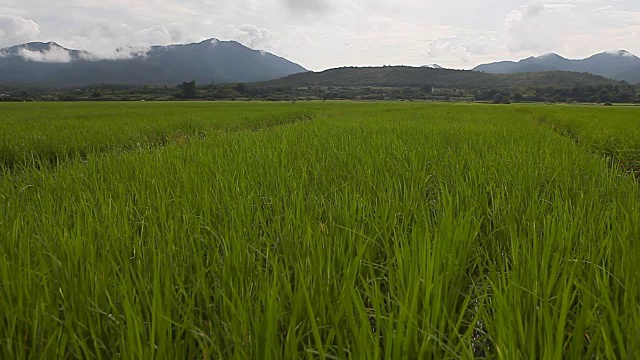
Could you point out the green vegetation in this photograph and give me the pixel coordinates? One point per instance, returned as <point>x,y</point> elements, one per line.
<point>621,93</point>
<point>52,132</point>
<point>401,76</point>
<point>613,134</point>
<point>368,231</point>
<point>385,83</point>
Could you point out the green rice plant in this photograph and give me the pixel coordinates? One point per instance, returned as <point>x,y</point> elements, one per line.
<point>50,133</point>
<point>374,231</point>
<point>613,133</point>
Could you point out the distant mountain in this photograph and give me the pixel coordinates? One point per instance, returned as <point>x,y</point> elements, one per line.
<point>49,64</point>
<point>42,52</point>
<point>617,65</point>
<point>432,66</point>
<point>405,76</point>
<point>634,76</point>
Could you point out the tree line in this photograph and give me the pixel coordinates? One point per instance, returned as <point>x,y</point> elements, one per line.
<point>189,90</point>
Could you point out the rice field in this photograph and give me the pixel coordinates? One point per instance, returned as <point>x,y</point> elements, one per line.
<point>318,231</point>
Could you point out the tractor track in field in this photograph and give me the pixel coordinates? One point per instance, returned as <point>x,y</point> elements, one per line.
<point>629,163</point>
<point>14,164</point>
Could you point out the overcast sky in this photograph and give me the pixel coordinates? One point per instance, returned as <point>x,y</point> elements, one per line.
<point>321,34</point>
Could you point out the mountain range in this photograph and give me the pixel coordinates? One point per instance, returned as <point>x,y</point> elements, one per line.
<point>49,64</point>
<point>617,65</point>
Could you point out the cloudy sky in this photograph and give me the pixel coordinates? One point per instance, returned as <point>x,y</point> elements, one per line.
<point>321,34</point>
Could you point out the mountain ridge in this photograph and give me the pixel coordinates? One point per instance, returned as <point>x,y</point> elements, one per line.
<point>49,64</point>
<point>614,64</point>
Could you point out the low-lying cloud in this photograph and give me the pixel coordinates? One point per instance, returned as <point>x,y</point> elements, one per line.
<point>122,53</point>
<point>119,41</point>
<point>53,55</point>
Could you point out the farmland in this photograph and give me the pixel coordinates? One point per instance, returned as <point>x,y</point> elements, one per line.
<point>319,230</point>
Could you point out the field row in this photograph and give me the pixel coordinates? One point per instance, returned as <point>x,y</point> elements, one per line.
<point>613,134</point>
<point>45,134</point>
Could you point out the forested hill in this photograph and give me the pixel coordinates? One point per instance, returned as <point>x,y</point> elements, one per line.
<point>404,76</point>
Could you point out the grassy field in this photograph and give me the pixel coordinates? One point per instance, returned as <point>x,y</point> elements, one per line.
<point>613,134</point>
<point>318,230</point>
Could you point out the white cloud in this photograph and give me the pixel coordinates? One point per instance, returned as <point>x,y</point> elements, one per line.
<point>465,49</point>
<point>161,35</point>
<point>540,27</point>
<point>53,55</point>
<point>524,29</point>
<point>249,35</point>
<point>16,30</point>
<point>308,6</point>
<point>119,41</point>
<point>121,53</point>
<point>438,48</point>
<point>321,34</point>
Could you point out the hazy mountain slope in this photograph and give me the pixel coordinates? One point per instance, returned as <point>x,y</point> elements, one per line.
<point>49,64</point>
<point>501,67</point>
<point>618,65</point>
<point>634,76</point>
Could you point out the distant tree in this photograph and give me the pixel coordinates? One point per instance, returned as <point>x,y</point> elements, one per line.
<point>188,89</point>
<point>497,99</point>
<point>241,88</point>
<point>626,96</point>
<point>518,97</point>
<point>604,96</point>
